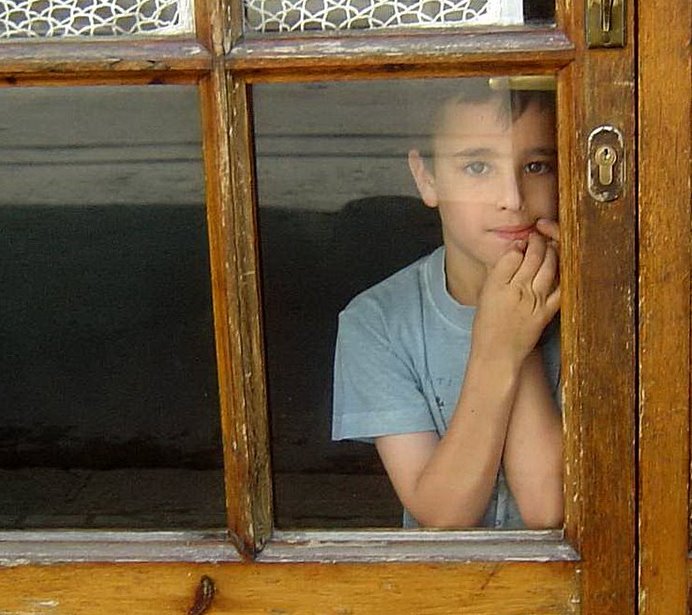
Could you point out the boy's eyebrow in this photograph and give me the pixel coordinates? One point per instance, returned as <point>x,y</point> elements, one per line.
<point>475,152</point>
<point>543,151</point>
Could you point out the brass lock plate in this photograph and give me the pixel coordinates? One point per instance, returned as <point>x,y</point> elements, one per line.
<point>605,23</point>
<point>606,164</point>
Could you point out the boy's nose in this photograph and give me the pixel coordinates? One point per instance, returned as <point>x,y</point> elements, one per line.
<point>510,196</point>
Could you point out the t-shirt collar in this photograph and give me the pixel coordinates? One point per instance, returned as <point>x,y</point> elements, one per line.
<point>449,308</point>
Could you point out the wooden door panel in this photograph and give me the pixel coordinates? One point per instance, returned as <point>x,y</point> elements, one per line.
<point>665,260</point>
<point>510,588</point>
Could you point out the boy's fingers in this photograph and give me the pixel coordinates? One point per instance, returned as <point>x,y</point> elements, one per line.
<point>533,259</point>
<point>551,231</point>
<point>549,228</point>
<point>545,278</point>
<point>553,301</point>
<point>509,262</point>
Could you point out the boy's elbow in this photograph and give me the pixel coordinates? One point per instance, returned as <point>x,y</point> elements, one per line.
<point>543,518</point>
<point>446,520</point>
<point>544,523</point>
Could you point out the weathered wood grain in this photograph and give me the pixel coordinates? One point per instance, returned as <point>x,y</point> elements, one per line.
<point>598,262</point>
<point>568,176</point>
<point>232,241</point>
<point>665,252</point>
<point>320,57</point>
<point>366,546</point>
<point>251,440</point>
<point>300,589</point>
<point>107,61</point>
<point>243,416</point>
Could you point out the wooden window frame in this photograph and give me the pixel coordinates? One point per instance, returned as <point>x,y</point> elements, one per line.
<point>600,506</point>
<point>590,467</point>
<point>354,57</point>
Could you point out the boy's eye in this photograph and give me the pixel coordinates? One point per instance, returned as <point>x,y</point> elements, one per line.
<point>538,167</point>
<point>477,168</point>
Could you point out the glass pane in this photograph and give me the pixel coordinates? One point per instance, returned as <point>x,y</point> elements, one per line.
<point>306,15</point>
<point>85,18</point>
<point>109,395</point>
<point>345,171</point>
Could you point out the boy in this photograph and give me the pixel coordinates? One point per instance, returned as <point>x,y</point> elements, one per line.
<point>450,365</point>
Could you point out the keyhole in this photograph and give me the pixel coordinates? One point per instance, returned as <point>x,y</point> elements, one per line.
<point>605,158</point>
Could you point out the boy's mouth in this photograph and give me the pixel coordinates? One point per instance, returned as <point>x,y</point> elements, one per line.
<point>513,233</point>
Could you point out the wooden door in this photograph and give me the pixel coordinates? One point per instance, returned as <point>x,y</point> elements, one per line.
<point>664,318</point>
<point>588,567</point>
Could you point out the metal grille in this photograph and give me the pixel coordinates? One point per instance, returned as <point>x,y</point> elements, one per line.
<point>301,15</point>
<point>63,18</point>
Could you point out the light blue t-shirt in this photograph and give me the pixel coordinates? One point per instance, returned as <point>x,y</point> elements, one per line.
<point>401,355</point>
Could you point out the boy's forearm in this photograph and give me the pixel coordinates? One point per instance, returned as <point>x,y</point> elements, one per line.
<point>533,457</point>
<point>454,488</point>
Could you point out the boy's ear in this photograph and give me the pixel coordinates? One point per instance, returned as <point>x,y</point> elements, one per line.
<point>425,180</point>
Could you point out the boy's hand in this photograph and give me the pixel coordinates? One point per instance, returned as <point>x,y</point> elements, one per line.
<point>550,230</point>
<point>519,298</point>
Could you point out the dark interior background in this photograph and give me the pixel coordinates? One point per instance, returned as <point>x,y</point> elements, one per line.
<point>313,263</point>
<point>108,394</point>
<point>107,337</point>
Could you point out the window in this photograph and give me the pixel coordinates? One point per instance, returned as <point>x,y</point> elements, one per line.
<point>110,397</point>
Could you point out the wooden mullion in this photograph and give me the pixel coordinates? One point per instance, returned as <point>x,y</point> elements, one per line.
<point>568,87</point>
<point>385,54</point>
<point>236,304</point>
<point>599,321</point>
<point>250,439</point>
<point>215,116</point>
<point>127,59</point>
<point>235,9</point>
<point>237,319</point>
<point>664,291</point>
<point>413,71</point>
<point>563,17</point>
<point>570,370</point>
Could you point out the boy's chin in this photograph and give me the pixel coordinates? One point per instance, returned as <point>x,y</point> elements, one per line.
<point>491,261</point>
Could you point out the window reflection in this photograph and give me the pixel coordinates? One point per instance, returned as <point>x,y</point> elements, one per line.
<point>109,395</point>
<point>342,207</point>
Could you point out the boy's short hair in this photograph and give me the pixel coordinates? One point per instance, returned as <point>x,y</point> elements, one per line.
<point>512,103</point>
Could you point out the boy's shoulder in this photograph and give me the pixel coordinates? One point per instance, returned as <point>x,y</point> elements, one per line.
<point>396,293</point>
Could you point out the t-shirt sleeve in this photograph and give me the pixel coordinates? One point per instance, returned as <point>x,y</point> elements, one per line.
<point>376,389</point>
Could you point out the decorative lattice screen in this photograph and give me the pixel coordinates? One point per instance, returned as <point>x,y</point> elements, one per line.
<point>57,18</point>
<point>301,15</point>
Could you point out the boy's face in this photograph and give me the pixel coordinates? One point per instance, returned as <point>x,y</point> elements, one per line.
<point>491,179</point>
